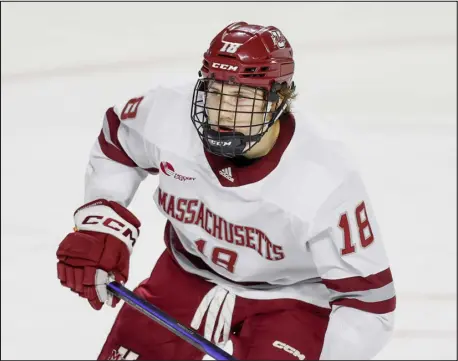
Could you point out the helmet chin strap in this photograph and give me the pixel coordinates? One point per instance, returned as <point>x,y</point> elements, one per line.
<point>273,96</point>
<point>230,144</point>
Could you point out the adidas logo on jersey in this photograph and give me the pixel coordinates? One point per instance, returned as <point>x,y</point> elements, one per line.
<point>227,173</point>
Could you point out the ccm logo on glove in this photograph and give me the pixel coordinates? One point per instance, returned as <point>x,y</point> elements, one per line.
<point>98,217</point>
<point>113,224</point>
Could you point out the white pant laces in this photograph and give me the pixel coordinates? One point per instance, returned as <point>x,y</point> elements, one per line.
<point>215,300</point>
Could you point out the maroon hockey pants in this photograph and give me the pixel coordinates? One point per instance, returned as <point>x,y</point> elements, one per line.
<point>280,329</point>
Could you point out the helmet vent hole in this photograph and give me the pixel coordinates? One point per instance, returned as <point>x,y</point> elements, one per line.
<point>250,70</point>
<point>253,75</point>
<point>227,56</point>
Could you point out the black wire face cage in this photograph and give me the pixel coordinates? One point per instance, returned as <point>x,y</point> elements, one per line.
<point>235,138</point>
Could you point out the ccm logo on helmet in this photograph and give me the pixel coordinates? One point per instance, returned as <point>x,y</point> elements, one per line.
<point>289,349</point>
<point>225,67</point>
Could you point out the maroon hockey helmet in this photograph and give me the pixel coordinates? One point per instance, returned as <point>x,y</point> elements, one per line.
<point>245,56</point>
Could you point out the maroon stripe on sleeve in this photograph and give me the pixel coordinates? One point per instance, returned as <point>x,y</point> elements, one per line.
<point>358,283</point>
<point>372,307</point>
<point>113,125</point>
<point>114,153</point>
<point>152,170</point>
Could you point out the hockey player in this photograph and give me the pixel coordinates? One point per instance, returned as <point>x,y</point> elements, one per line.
<point>272,247</point>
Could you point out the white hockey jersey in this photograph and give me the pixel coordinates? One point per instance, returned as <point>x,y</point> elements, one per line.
<point>296,223</point>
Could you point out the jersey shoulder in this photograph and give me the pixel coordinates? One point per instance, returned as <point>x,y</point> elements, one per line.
<point>153,107</point>
<point>312,167</point>
<point>159,118</point>
<point>315,149</point>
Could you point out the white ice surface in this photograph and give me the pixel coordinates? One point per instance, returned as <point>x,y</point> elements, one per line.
<point>384,85</point>
<point>48,127</point>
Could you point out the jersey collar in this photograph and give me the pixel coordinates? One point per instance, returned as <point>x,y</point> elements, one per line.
<point>230,174</point>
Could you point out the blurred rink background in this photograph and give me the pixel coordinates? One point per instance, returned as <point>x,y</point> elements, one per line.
<point>379,76</point>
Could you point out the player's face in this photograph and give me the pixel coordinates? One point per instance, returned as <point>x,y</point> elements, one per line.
<point>231,107</point>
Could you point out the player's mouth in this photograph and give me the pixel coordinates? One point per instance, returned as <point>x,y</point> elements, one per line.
<point>221,128</point>
<point>224,129</point>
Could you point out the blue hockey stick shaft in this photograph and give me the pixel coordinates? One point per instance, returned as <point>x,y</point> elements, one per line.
<point>154,313</point>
